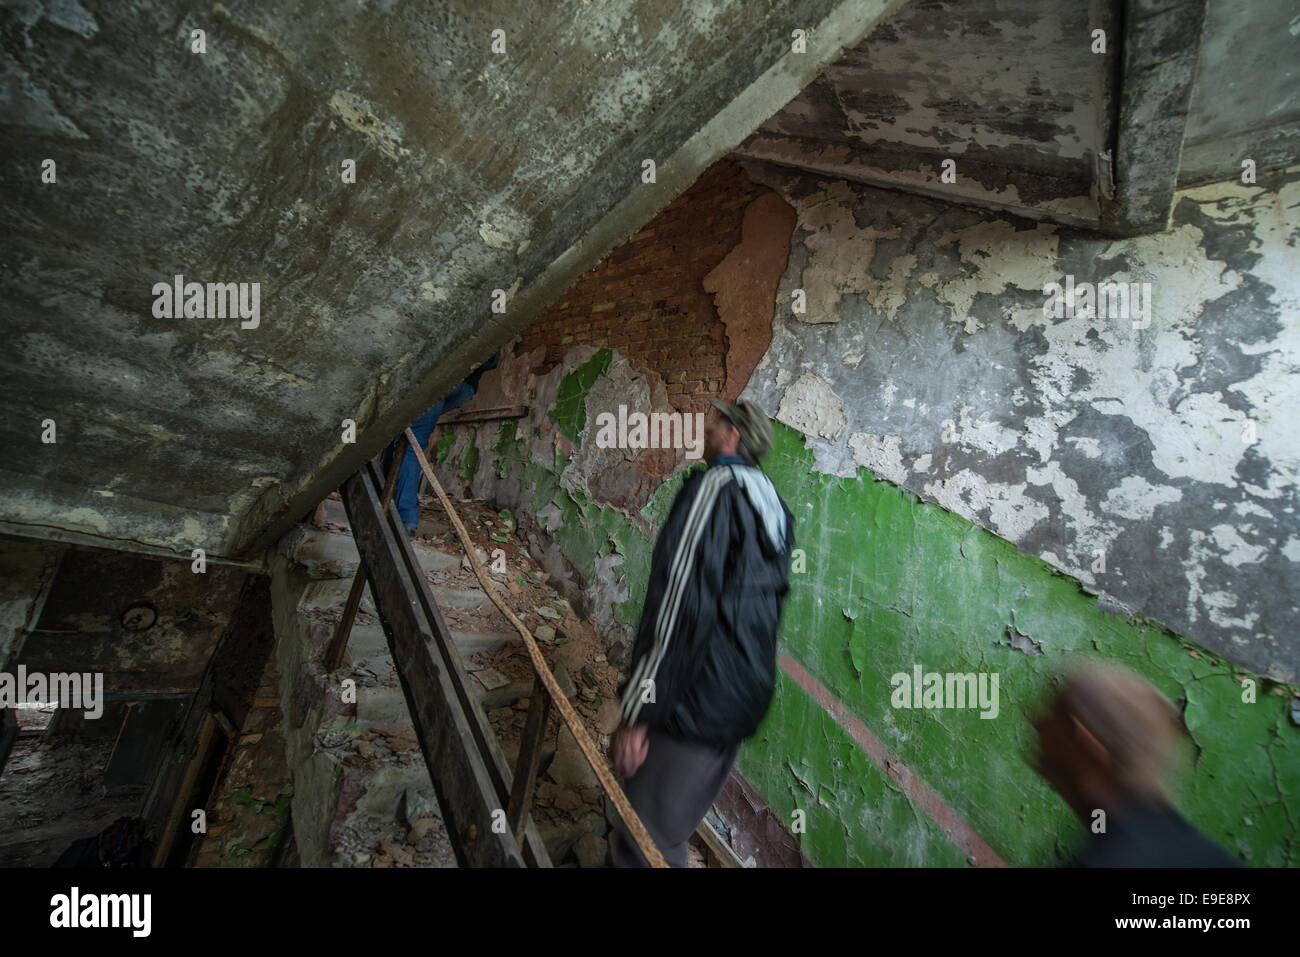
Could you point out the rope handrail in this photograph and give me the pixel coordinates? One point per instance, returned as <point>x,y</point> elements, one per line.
<point>543,672</point>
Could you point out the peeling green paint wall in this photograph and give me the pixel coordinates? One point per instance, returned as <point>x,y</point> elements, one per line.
<point>891,582</point>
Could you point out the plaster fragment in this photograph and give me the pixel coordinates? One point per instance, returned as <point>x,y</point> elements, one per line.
<point>1025,259</point>
<point>1236,550</point>
<point>840,252</point>
<point>359,115</point>
<point>881,454</point>
<point>810,406</point>
<point>1022,642</point>
<point>744,286</point>
<point>1011,513</point>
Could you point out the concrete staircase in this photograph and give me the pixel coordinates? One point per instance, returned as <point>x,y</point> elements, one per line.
<point>362,794</point>
<point>364,797</point>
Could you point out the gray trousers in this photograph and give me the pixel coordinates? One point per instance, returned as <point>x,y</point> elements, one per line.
<point>670,792</point>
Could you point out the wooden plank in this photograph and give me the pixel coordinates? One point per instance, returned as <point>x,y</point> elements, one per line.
<point>338,645</point>
<point>8,735</point>
<point>446,730</point>
<point>486,415</point>
<point>534,849</point>
<point>530,756</point>
<point>718,848</point>
<point>183,792</point>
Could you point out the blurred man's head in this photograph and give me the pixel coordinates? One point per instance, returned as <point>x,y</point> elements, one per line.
<point>720,436</point>
<point>741,429</point>
<point>1108,739</point>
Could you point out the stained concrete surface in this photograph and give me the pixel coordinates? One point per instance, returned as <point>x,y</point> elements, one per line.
<point>926,356</point>
<point>1038,120</point>
<point>1246,96</point>
<point>475,171</point>
<point>1008,89</point>
<point>80,628</point>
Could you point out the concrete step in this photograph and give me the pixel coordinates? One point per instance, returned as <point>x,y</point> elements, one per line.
<point>458,597</point>
<point>336,513</point>
<point>386,786</point>
<point>381,704</point>
<point>505,696</point>
<point>329,595</point>
<point>432,560</point>
<point>323,595</point>
<point>472,642</point>
<point>324,554</point>
<point>367,641</point>
<point>329,555</point>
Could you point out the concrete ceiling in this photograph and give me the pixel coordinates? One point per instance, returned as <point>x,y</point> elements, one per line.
<point>1246,98</point>
<point>475,171</point>
<point>80,627</point>
<point>1009,89</point>
<point>1041,125</point>
<point>479,171</point>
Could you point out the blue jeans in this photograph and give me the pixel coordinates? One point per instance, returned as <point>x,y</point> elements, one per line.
<point>408,479</point>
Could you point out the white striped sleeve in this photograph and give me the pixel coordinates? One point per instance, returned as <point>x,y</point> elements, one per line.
<point>679,575</point>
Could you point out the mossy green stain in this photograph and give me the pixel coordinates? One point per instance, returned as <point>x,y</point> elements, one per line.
<point>445,443</point>
<point>570,411</point>
<point>270,849</point>
<point>506,448</point>
<point>469,457</point>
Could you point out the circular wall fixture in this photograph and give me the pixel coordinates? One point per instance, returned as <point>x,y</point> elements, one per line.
<point>139,617</point>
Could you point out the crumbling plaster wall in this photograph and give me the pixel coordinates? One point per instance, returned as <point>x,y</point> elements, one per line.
<point>587,513</point>
<point>892,580</point>
<point>1156,465</point>
<point>887,581</point>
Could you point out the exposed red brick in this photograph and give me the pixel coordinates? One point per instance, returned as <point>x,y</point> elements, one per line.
<point>648,298</point>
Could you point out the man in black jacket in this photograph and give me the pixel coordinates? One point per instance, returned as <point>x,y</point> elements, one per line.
<point>703,667</point>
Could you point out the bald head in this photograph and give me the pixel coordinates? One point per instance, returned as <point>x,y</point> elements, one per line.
<point>1109,738</point>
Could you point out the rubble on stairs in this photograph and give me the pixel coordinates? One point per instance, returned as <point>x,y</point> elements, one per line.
<point>569,806</point>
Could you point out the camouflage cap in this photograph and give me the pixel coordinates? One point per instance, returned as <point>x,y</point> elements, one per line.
<point>751,422</point>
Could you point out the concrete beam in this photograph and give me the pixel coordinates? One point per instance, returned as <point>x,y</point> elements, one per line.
<point>1162,41</point>
<point>836,26</point>
<point>475,171</point>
